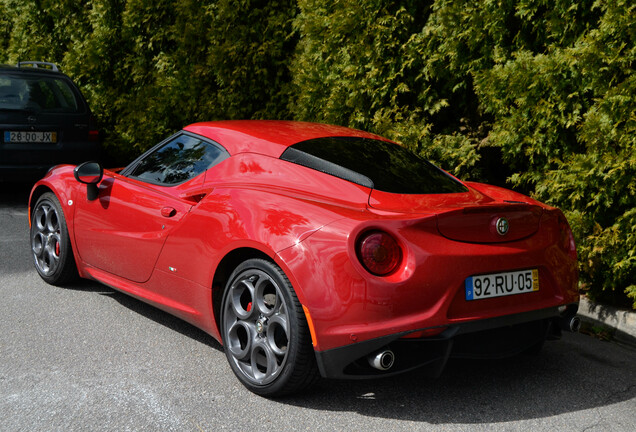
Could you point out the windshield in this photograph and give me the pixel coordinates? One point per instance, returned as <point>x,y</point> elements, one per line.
<point>376,164</point>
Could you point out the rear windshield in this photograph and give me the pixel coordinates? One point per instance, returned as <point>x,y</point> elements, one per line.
<point>372,163</point>
<point>37,93</point>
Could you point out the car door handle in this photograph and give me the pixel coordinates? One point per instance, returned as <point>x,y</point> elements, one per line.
<point>168,212</point>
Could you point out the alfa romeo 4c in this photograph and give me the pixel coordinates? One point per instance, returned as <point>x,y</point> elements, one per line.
<point>311,250</point>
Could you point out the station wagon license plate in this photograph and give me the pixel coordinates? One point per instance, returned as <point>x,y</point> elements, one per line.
<point>30,137</point>
<point>502,284</point>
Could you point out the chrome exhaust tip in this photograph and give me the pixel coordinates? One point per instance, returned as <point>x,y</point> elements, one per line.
<point>382,360</point>
<point>575,324</point>
<point>570,323</point>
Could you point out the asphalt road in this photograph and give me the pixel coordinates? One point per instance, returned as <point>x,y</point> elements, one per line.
<point>89,358</point>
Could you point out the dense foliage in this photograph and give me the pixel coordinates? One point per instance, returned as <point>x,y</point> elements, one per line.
<point>150,67</point>
<point>537,94</point>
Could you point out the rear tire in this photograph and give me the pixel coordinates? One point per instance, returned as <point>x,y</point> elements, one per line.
<point>264,330</point>
<point>50,242</point>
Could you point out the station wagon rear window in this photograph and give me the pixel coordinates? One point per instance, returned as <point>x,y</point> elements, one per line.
<point>37,93</point>
<point>376,164</point>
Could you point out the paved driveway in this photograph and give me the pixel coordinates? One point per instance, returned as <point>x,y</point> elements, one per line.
<point>89,358</point>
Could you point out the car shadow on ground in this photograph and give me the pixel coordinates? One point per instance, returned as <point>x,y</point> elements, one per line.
<point>146,310</point>
<point>576,373</point>
<point>15,194</point>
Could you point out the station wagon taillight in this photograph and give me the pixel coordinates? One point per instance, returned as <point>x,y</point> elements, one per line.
<point>93,133</point>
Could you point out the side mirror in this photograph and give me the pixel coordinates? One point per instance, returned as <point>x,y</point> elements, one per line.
<point>89,173</point>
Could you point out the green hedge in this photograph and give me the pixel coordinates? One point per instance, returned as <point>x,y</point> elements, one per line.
<point>148,67</point>
<point>535,95</point>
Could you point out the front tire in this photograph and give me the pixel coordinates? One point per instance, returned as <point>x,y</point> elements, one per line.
<point>264,331</point>
<point>50,242</point>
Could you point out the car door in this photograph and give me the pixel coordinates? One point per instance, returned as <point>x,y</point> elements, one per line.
<point>123,231</point>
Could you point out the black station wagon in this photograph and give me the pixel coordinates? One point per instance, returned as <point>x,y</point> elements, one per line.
<point>44,121</point>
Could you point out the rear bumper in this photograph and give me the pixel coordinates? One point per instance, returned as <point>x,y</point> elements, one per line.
<point>487,338</point>
<point>33,161</point>
<point>23,173</point>
<point>348,306</point>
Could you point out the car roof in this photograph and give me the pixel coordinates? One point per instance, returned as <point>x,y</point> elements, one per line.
<point>269,137</point>
<point>31,70</point>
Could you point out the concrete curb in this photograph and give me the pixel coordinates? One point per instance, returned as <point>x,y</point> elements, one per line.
<point>623,323</point>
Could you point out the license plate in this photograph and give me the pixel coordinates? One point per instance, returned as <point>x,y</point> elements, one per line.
<point>29,137</point>
<point>502,284</point>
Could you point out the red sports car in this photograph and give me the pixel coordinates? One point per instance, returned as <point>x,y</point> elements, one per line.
<point>310,250</point>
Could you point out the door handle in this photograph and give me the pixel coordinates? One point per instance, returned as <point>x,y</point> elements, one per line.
<point>168,212</point>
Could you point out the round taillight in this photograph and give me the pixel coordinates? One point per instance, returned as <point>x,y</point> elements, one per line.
<point>379,253</point>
